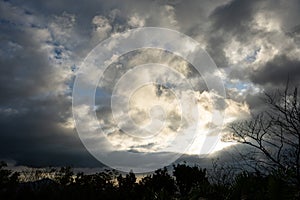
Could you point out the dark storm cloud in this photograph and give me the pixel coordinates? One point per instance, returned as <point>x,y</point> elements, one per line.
<point>277,71</point>
<point>227,21</point>
<point>234,17</point>
<point>23,75</point>
<point>33,134</point>
<point>236,21</point>
<point>35,103</point>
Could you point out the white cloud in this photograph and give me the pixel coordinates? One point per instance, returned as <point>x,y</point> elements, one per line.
<point>102,27</point>
<point>62,27</point>
<point>136,21</point>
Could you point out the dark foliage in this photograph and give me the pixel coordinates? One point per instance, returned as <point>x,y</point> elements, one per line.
<point>188,178</point>
<point>186,182</point>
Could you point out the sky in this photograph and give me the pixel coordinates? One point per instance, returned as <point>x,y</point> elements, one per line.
<point>255,46</point>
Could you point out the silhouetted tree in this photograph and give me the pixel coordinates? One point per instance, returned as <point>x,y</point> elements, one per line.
<point>8,181</point>
<point>127,186</point>
<point>191,177</point>
<point>65,175</point>
<point>128,182</point>
<point>159,185</point>
<point>249,186</point>
<point>274,135</point>
<point>188,182</point>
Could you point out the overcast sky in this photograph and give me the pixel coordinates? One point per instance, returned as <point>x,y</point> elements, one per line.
<point>255,45</point>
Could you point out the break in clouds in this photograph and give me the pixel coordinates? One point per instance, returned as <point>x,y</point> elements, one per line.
<point>255,44</point>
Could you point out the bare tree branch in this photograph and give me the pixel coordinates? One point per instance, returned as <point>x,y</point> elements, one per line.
<point>275,133</point>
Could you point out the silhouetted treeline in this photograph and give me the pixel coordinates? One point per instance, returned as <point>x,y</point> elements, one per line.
<point>185,182</point>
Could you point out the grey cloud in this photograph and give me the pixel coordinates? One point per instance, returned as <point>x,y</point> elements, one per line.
<point>36,136</point>
<point>229,21</point>
<point>256,103</point>
<point>35,100</point>
<point>234,17</point>
<point>277,72</point>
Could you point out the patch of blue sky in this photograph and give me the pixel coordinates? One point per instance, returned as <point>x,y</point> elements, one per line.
<point>252,57</point>
<point>27,12</point>
<point>6,23</point>
<point>37,26</point>
<point>54,43</point>
<point>102,93</point>
<point>58,53</point>
<point>239,85</point>
<point>74,68</point>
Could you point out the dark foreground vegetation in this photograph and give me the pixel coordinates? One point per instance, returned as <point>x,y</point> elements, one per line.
<point>184,182</point>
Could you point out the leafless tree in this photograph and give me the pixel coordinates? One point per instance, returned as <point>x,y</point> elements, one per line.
<point>273,134</point>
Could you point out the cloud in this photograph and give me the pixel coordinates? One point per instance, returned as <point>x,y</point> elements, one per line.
<point>35,90</point>
<point>256,43</point>
<point>277,72</point>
